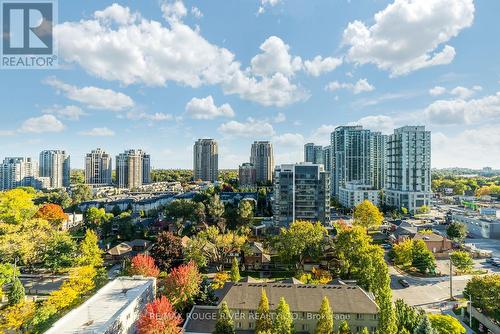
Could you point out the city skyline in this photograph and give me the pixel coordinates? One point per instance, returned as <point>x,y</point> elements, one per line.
<point>290,81</point>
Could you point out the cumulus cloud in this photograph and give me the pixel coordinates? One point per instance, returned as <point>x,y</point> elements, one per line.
<point>279,118</point>
<point>320,65</point>
<point>250,128</point>
<point>205,108</point>
<point>118,45</point>
<point>275,58</point>
<point>70,112</point>
<point>436,91</point>
<point>381,123</point>
<point>7,133</point>
<point>321,135</point>
<point>98,132</point>
<point>289,140</point>
<point>266,3</point>
<point>196,12</point>
<point>93,97</point>
<point>407,35</point>
<point>459,111</point>
<point>157,117</point>
<point>44,123</point>
<point>360,86</point>
<point>462,92</point>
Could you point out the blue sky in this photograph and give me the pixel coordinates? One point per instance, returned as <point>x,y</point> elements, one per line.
<point>158,75</point>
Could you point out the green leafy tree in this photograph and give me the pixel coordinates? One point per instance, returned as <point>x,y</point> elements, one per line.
<point>16,205</point>
<point>407,318</point>
<point>90,253</point>
<point>446,324</point>
<point>81,193</point>
<point>283,322</point>
<point>365,331</point>
<point>7,273</point>
<point>462,261</point>
<point>95,217</point>
<point>215,208</point>
<point>264,321</point>
<point>235,271</point>
<point>423,259</point>
<point>484,292</point>
<point>16,292</point>
<point>344,328</point>
<point>425,327</point>
<point>403,253</point>
<point>457,231</point>
<point>366,214</point>
<point>245,212</point>
<point>325,321</point>
<point>224,324</point>
<point>60,251</point>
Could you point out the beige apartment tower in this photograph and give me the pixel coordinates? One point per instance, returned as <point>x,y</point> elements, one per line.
<point>206,160</point>
<point>262,158</point>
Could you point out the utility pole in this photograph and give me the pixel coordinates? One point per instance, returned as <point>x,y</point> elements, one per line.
<point>451,281</point>
<point>470,310</point>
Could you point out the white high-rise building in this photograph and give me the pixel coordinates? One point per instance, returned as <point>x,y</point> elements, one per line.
<point>132,169</point>
<point>19,172</point>
<point>408,182</point>
<point>98,167</point>
<point>378,159</point>
<point>55,164</point>
<point>262,158</point>
<point>206,160</point>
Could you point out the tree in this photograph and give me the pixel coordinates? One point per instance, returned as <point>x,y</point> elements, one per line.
<point>235,270</point>
<point>457,231</point>
<point>264,321</point>
<point>425,327</point>
<point>90,253</point>
<point>423,209</point>
<point>143,265</point>
<point>301,240</point>
<point>224,324</point>
<point>365,331</point>
<point>403,253</point>
<point>95,217</point>
<point>344,327</point>
<point>52,213</point>
<point>462,261</point>
<point>215,208</point>
<point>325,322</point>
<point>245,212</point>
<point>16,292</point>
<point>81,193</point>
<point>283,322</point>
<point>7,273</point>
<point>167,250</point>
<point>15,318</point>
<point>407,318</point>
<point>446,324</point>
<point>58,196</point>
<point>485,293</point>
<point>206,295</point>
<point>60,251</point>
<point>159,317</point>
<point>423,259</point>
<point>16,205</point>
<point>182,285</point>
<point>220,279</point>
<point>366,214</point>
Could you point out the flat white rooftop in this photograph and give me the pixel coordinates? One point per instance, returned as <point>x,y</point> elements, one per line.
<point>100,311</point>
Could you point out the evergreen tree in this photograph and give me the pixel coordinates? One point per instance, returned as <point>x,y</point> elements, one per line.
<point>264,321</point>
<point>283,323</point>
<point>344,328</point>
<point>325,322</point>
<point>424,327</point>
<point>224,323</point>
<point>16,292</point>
<point>235,271</point>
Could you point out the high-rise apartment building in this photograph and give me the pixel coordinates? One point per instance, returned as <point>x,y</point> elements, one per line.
<point>206,160</point>
<point>313,153</point>
<point>378,159</point>
<point>247,175</point>
<point>408,182</point>
<point>55,164</point>
<point>146,168</point>
<point>98,167</point>
<point>351,157</point>
<point>301,192</point>
<point>131,167</point>
<point>327,158</point>
<point>20,172</point>
<point>262,158</point>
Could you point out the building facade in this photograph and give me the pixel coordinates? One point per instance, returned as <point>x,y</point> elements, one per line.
<point>55,164</point>
<point>206,160</point>
<point>378,162</point>
<point>20,172</point>
<point>327,158</point>
<point>247,175</point>
<point>262,158</point>
<point>353,194</point>
<point>132,168</point>
<point>98,167</point>
<point>301,192</point>
<point>408,183</point>
<point>313,153</point>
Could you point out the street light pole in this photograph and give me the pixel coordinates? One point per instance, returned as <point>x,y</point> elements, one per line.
<point>470,310</point>
<point>451,280</point>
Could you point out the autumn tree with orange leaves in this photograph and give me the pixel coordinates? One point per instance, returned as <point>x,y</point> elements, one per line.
<point>159,317</point>
<point>52,213</point>
<point>143,265</point>
<point>182,285</point>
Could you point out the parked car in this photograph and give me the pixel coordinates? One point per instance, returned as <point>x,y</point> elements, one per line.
<point>404,282</point>
<point>492,259</point>
<point>386,246</point>
<point>496,263</point>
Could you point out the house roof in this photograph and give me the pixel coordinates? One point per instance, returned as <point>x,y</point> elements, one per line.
<point>291,280</point>
<point>120,249</point>
<point>139,243</point>
<point>428,237</point>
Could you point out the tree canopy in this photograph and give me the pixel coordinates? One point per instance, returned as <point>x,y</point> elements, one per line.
<point>366,214</point>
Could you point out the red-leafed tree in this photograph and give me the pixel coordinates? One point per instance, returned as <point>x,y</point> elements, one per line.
<point>159,317</point>
<point>52,213</point>
<point>182,285</point>
<point>167,251</point>
<point>143,265</point>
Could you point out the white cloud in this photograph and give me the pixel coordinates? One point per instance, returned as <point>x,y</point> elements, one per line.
<point>93,97</point>
<point>321,136</point>
<point>407,35</point>
<point>360,86</point>
<point>275,58</point>
<point>462,92</point>
<point>382,123</point>
<point>266,3</point>
<point>157,117</point>
<point>289,140</point>
<point>130,49</point>
<point>45,123</point>
<point>320,65</point>
<point>279,118</point>
<point>250,128</point>
<point>7,133</point>
<point>66,112</point>
<point>173,11</point>
<point>196,12</point>
<point>98,132</point>
<point>459,111</point>
<point>437,90</point>
<point>205,108</point>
